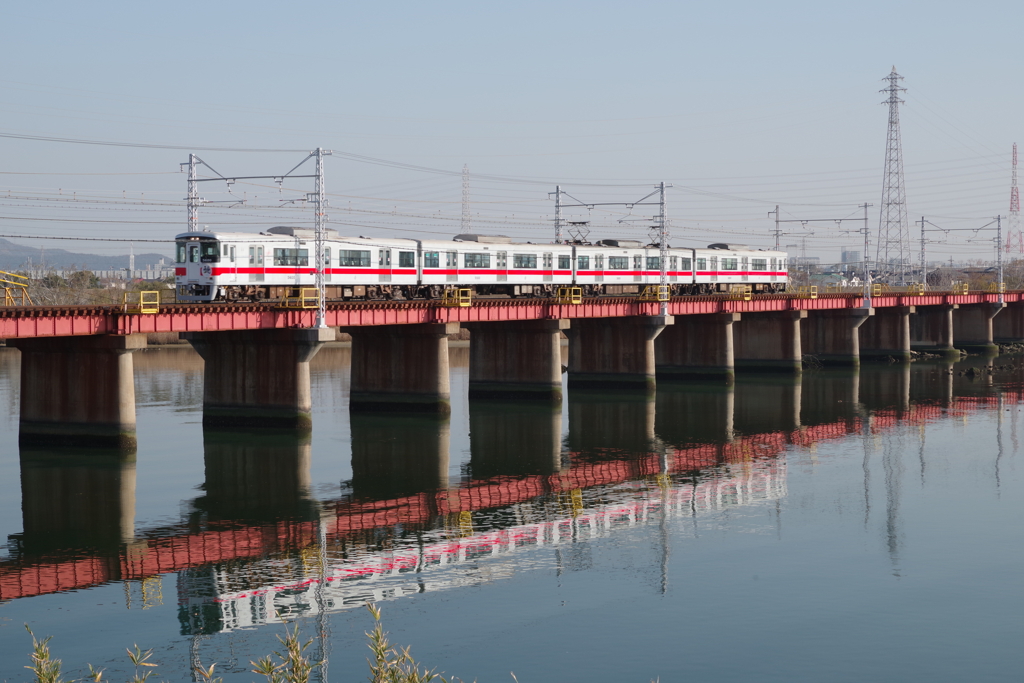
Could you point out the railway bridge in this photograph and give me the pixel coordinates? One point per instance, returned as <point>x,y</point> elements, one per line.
<point>76,362</point>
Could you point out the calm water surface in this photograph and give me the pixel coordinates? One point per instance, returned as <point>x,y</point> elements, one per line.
<point>843,527</point>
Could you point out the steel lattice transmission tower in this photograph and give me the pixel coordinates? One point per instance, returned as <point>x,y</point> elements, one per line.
<point>465,199</point>
<point>1014,239</point>
<point>892,255</point>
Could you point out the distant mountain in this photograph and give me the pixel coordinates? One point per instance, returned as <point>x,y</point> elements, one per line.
<point>14,256</point>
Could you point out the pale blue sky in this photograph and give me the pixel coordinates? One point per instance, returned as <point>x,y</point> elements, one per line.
<point>740,105</point>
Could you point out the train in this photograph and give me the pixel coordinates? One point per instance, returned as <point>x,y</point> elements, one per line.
<point>274,264</point>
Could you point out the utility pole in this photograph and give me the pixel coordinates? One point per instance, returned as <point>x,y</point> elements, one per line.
<point>558,214</point>
<point>893,248</point>
<point>663,244</point>
<point>867,270</point>
<point>193,194</point>
<point>465,199</point>
<point>999,254</point>
<point>778,232</point>
<point>320,227</point>
<point>922,251</point>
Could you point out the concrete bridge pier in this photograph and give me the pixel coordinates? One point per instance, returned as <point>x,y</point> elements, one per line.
<point>698,347</point>
<point>769,342</point>
<point>833,337</point>
<point>1008,326</point>
<point>516,360</point>
<point>886,334</point>
<point>78,391</point>
<point>258,378</point>
<point>262,475</point>
<point>401,368</point>
<point>515,439</point>
<point>973,327</point>
<point>399,455</point>
<point>614,353</point>
<point>78,498</point>
<point>931,330</point>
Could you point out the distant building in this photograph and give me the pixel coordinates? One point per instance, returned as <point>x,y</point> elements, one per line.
<point>851,255</point>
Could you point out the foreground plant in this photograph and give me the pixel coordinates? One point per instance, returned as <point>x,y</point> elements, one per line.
<point>293,666</point>
<point>391,665</point>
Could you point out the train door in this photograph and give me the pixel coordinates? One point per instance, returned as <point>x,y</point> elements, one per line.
<point>744,269</point>
<point>451,265</point>
<point>548,266</point>
<point>192,267</point>
<point>384,265</point>
<point>501,263</point>
<point>255,263</point>
<point>232,264</point>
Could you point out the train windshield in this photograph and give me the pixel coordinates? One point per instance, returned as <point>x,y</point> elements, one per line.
<point>209,251</point>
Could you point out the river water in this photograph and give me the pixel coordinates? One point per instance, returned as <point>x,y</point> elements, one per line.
<point>841,527</point>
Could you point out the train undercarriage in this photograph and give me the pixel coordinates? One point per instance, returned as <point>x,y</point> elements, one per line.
<point>387,292</point>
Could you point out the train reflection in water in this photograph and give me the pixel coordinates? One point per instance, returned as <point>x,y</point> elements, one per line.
<point>223,597</point>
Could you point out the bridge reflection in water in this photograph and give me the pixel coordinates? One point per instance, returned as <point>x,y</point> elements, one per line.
<point>256,546</point>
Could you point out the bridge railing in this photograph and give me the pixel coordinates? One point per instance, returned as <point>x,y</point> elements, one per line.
<point>15,289</point>
<point>147,302</point>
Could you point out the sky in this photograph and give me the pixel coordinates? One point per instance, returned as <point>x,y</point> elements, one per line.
<point>739,106</point>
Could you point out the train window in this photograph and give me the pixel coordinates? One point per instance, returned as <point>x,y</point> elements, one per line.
<point>502,258</point>
<point>477,260</point>
<point>259,256</point>
<point>383,257</point>
<point>730,263</point>
<point>431,259</point>
<point>618,263</point>
<point>451,259</point>
<point>193,253</point>
<point>291,257</point>
<point>673,262</point>
<point>407,259</point>
<point>209,252</point>
<point>702,264</point>
<point>179,252</point>
<point>637,261</point>
<point>548,260</point>
<point>653,263</point>
<point>686,263</point>
<point>759,264</point>
<point>354,257</point>
<point>524,260</point>
<point>599,262</point>
<point>225,250</point>
<point>231,256</point>
<point>564,263</point>
<point>582,263</point>
<point>252,255</point>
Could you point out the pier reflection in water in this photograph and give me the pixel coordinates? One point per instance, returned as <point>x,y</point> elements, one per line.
<point>77,502</point>
<point>642,500</point>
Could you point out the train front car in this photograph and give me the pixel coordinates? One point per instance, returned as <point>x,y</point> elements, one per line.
<point>197,255</point>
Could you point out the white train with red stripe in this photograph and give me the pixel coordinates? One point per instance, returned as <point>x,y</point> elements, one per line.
<point>220,266</point>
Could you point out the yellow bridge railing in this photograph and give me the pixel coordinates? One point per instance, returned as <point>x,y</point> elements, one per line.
<point>15,289</point>
<point>304,297</point>
<point>569,295</point>
<point>654,293</point>
<point>807,292</point>
<point>142,302</point>
<point>459,297</point>
<point>741,292</point>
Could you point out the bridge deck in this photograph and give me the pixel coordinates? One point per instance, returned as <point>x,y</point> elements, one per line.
<point>64,321</point>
